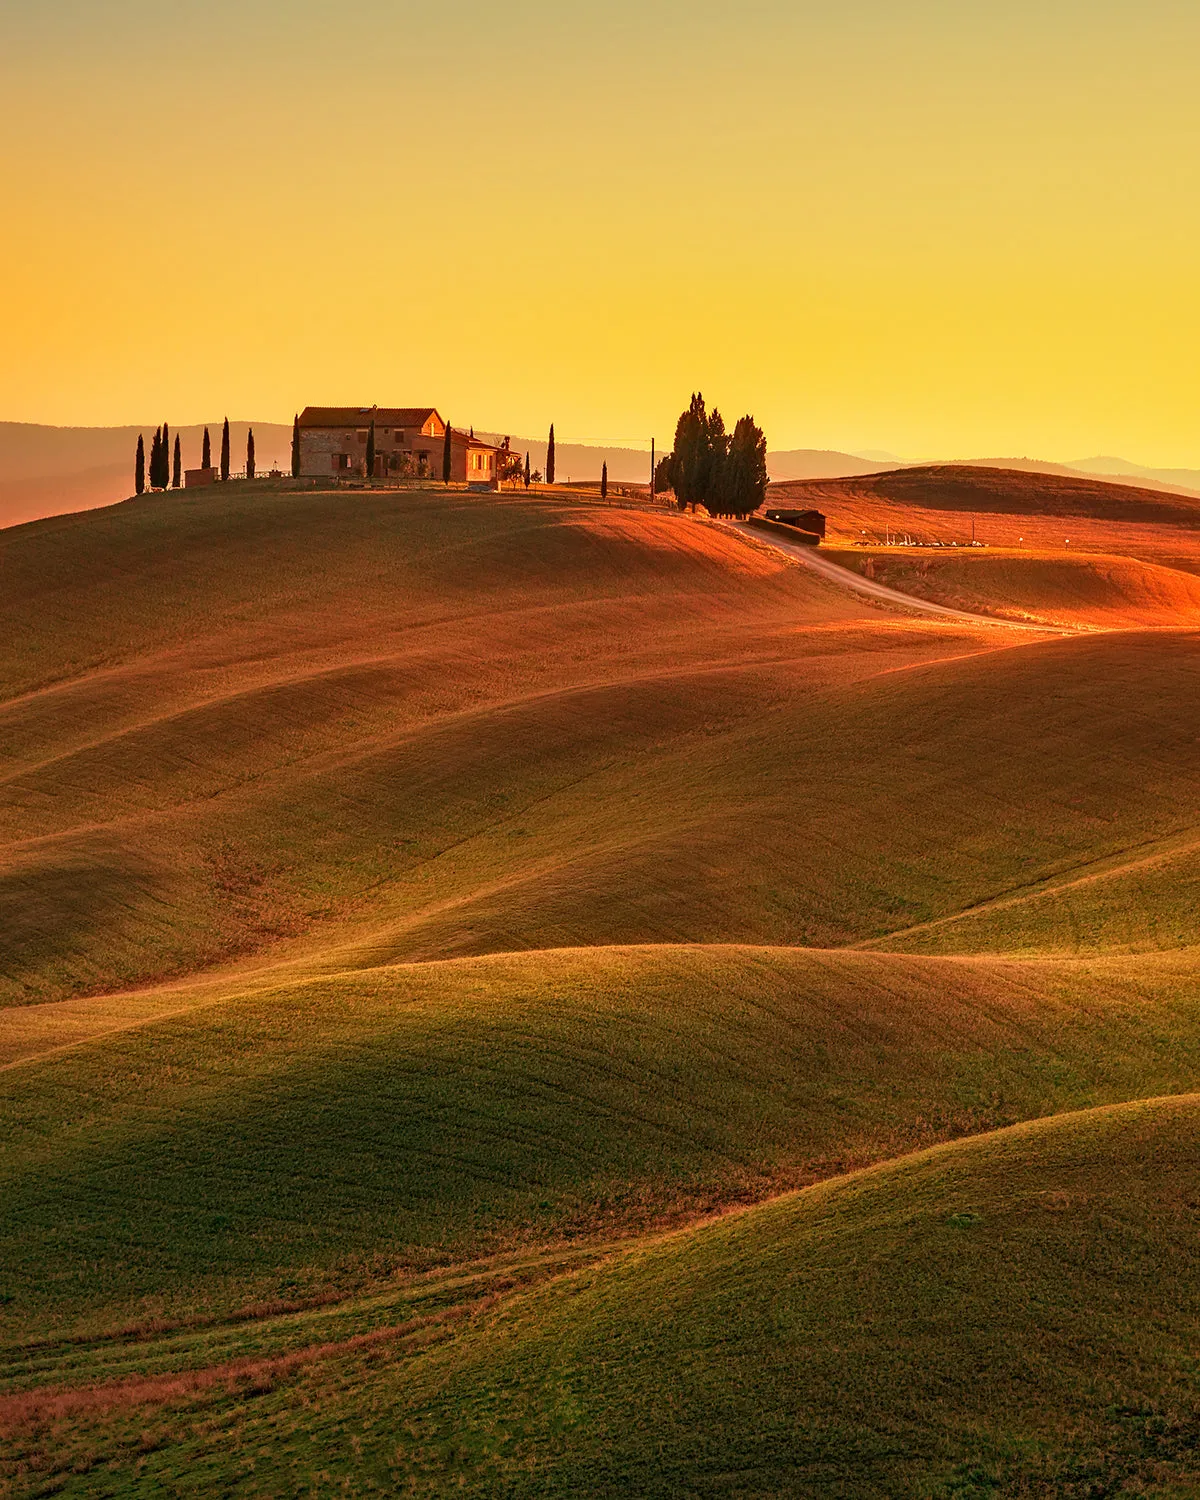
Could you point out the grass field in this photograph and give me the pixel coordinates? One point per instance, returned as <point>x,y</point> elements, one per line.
<point>518,996</point>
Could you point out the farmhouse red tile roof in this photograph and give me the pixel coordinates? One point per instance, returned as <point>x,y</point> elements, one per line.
<point>358,416</point>
<point>473,442</point>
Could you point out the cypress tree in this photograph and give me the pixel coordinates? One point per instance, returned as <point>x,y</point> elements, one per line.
<point>690,457</point>
<point>296,446</point>
<point>206,452</point>
<point>156,459</point>
<point>446,456</point>
<point>250,453</point>
<point>717,479</point>
<point>371,450</point>
<point>177,471</point>
<point>747,469</point>
<point>526,469</point>
<point>604,480</point>
<point>550,457</point>
<point>225,450</point>
<point>164,459</point>
<point>139,468</point>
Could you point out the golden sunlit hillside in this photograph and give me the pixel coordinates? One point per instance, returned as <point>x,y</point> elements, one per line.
<point>1081,589</point>
<point>597,900</point>
<point>952,504</point>
<point>512,994</point>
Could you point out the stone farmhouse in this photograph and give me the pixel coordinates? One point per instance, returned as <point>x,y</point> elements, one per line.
<point>408,442</point>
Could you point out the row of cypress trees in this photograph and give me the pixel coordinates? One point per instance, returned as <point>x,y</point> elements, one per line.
<point>165,470</point>
<point>160,476</point>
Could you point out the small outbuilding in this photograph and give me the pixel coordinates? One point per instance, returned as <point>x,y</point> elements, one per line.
<point>804,520</point>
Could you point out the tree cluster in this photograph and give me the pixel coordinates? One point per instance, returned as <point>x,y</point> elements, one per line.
<point>511,468</point>
<point>724,472</point>
<point>160,462</point>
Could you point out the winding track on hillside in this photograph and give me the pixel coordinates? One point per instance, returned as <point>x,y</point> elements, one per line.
<point>810,558</point>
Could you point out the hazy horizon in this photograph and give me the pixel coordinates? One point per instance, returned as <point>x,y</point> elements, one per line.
<point>918,228</point>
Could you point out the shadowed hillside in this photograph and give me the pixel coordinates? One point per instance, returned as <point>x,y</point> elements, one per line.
<point>303,1132</point>
<point>1014,1314</point>
<point>415,906</point>
<point>818,1343</point>
<point>436,725</point>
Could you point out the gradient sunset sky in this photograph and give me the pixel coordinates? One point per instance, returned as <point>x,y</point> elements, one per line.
<point>938,227</point>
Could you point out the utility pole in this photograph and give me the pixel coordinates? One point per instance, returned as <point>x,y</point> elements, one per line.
<point>651,471</point>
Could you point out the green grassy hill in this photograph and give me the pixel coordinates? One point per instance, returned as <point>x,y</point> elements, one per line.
<point>1012,1314</point>
<point>320,1134</point>
<point>1017,1313</point>
<point>414,907</point>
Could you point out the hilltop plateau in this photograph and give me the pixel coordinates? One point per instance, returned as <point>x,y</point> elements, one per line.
<point>516,995</point>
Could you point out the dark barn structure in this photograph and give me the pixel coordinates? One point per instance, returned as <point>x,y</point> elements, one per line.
<point>804,520</point>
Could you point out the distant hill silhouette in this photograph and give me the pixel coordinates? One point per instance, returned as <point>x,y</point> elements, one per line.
<point>50,471</point>
<point>1040,491</point>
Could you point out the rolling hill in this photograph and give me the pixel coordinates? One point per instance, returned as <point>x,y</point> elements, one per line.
<point>1013,1314</point>
<point>1078,589</point>
<point>978,490</point>
<point>519,996</point>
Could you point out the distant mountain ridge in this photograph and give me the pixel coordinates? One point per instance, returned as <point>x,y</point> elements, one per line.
<point>632,465</point>
<point>47,471</point>
<point>1119,471</point>
<point>50,471</point>
<point>1188,479</point>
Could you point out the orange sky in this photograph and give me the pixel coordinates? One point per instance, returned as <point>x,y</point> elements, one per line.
<point>938,228</point>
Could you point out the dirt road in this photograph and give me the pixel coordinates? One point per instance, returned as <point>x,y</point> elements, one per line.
<point>827,568</point>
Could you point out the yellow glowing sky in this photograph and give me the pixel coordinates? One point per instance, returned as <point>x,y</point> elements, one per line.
<point>934,226</point>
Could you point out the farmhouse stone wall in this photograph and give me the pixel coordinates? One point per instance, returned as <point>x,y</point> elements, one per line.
<point>328,451</point>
